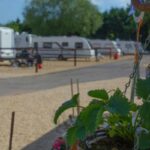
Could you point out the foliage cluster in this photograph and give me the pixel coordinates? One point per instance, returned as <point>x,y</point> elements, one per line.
<point>61,17</point>
<point>126,120</point>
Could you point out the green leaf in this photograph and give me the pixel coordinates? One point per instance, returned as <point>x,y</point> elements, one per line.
<point>145,114</point>
<point>144,141</point>
<point>95,101</point>
<point>118,104</point>
<point>100,94</point>
<point>133,107</point>
<point>143,88</point>
<point>71,135</point>
<point>68,104</point>
<point>91,117</point>
<point>81,133</point>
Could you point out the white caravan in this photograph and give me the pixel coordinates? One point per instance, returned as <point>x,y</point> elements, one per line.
<point>128,47</point>
<point>121,47</point>
<point>7,51</point>
<point>63,46</point>
<point>23,40</point>
<point>105,46</point>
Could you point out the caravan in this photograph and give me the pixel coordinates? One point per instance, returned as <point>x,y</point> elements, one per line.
<point>57,47</point>
<point>63,46</point>
<point>105,47</point>
<point>7,51</point>
<point>128,47</point>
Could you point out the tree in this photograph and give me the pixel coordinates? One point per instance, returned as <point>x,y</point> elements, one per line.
<point>117,24</point>
<point>62,17</point>
<point>18,26</point>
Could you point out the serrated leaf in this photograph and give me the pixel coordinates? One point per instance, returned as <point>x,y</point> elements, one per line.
<point>91,116</point>
<point>145,114</point>
<point>68,104</point>
<point>118,104</point>
<point>87,121</point>
<point>144,141</point>
<point>143,88</point>
<point>71,135</point>
<point>100,94</point>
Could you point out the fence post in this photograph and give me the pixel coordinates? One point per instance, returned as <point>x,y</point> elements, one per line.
<point>11,130</point>
<point>96,55</point>
<point>36,63</point>
<point>75,57</point>
<point>36,67</point>
<point>110,53</point>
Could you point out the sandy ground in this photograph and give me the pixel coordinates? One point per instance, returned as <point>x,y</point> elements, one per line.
<point>50,66</point>
<point>34,128</point>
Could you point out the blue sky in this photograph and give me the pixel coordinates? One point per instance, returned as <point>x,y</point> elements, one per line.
<point>12,9</point>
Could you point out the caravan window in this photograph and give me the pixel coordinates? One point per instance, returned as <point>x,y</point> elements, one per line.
<point>128,46</point>
<point>64,44</point>
<point>35,45</point>
<point>47,45</point>
<point>27,39</point>
<point>78,45</point>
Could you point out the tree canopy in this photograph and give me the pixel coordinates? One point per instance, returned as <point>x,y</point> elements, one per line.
<point>18,26</point>
<point>62,17</point>
<point>117,24</point>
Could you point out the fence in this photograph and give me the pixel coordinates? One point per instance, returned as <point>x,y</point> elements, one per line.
<point>60,53</point>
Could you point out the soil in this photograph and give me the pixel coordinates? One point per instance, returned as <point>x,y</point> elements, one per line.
<point>112,144</point>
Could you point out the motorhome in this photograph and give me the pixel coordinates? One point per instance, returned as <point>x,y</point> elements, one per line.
<point>63,46</point>
<point>7,51</point>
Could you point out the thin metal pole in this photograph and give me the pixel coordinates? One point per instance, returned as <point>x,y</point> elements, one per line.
<point>11,130</point>
<point>133,89</point>
<point>136,63</point>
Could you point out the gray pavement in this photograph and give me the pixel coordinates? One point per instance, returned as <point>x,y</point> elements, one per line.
<point>19,85</point>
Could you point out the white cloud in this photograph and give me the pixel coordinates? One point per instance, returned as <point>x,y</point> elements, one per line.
<point>107,4</point>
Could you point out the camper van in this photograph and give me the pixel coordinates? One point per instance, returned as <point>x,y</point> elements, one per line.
<point>7,51</point>
<point>63,46</point>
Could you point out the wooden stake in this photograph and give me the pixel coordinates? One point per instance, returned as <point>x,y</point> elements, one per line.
<point>78,91</point>
<point>71,85</point>
<point>11,130</point>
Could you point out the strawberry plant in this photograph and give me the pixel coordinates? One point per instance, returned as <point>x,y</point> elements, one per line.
<point>120,121</point>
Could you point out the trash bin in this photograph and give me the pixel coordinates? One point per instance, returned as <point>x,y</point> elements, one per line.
<point>116,56</point>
